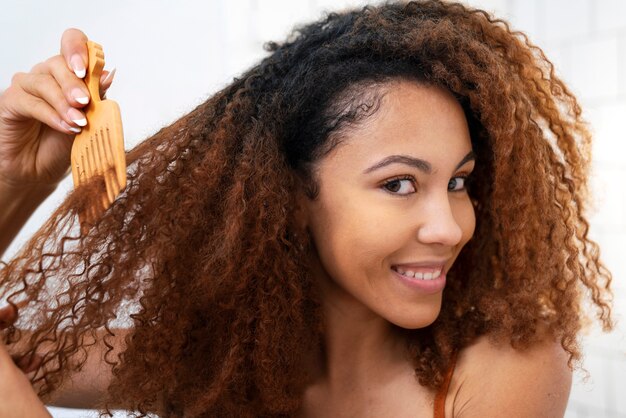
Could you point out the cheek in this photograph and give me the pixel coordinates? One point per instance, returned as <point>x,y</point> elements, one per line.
<point>349,237</point>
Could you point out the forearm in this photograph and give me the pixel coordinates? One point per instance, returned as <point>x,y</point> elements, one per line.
<point>16,207</point>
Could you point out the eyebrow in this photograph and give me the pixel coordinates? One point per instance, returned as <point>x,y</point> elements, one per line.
<point>418,163</point>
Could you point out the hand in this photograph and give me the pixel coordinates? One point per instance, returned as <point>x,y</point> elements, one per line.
<point>17,397</point>
<point>40,113</point>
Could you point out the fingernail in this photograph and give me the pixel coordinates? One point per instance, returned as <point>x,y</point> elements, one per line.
<point>78,66</point>
<point>109,76</point>
<point>77,117</point>
<point>69,128</point>
<point>80,96</point>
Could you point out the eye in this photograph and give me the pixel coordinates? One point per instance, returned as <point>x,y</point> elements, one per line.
<point>401,185</point>
<point>453,184</point>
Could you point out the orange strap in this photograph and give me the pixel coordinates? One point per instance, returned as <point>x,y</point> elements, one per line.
<point>440,398</point>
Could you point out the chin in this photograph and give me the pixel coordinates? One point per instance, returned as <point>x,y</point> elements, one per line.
<point>421,319</point>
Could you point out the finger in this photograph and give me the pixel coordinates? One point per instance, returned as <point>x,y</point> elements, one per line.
<point>9,314</point>
<point>45,87</point>
<point>74,50</point>
<point>105,81</point>
<point>27,363</point>
<point>26,106</point>
<point>74,89</point>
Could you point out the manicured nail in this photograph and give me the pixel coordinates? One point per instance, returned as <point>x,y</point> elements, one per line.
<point>80,96</point>
<point>78,66</point>
<point>77,117</point>
<point>109,76</point>
<point>68,127</point>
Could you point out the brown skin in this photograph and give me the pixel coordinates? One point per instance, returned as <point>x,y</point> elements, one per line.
<point>430,216</point>
<point>362,225</point>
<point>36,112</point>
<point>489,378</point>
<point>365,371</point>
<point>206,295</point>
<point>17,398</point>
<point>493,379</point>
<point>361,300</point>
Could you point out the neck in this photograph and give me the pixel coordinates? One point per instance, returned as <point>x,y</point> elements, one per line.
<point>359,346</point>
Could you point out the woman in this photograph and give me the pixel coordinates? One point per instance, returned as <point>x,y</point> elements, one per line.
<point>369,222</point>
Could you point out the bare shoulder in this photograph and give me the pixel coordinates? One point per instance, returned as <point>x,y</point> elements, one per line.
<point>494,379</point>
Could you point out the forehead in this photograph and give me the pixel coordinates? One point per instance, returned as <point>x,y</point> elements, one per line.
<point>413,119</point>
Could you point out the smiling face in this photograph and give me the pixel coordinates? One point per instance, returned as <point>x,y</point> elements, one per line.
<point>393,193</point>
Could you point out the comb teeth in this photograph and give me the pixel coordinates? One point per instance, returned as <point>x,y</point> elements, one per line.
<point>99,149</point>
<point>105,154</point>
<point>96,158</point>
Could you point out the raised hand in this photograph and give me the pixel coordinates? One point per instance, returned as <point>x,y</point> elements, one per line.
<point>40,113</point>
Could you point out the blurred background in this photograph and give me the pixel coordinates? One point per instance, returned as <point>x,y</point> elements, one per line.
<point>171,56</point>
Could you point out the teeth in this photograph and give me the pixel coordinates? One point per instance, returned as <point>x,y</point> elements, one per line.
<point>420,276</point>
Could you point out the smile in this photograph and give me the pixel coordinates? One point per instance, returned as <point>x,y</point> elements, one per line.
<point>430,274</point>
<point>428,283</point>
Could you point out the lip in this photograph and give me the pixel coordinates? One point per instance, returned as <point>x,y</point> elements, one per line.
<point>434,264</point>
<point>427,287</point>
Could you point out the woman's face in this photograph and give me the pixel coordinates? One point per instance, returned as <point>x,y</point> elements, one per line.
<point>392,194</point>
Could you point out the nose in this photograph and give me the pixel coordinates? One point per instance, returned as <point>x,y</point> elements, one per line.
<point>438,224</point>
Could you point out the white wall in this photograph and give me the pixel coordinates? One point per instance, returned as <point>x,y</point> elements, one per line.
<point>171,56</point>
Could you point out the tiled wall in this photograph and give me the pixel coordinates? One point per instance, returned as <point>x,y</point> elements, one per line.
<point>179,51</point>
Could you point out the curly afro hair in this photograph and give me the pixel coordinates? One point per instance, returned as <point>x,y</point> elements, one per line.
<point>202,253</point>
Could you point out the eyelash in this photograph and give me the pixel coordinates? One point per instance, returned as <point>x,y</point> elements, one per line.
<point>465,178</point>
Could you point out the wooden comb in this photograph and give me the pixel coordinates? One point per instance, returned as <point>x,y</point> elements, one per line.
<point>99,148</point>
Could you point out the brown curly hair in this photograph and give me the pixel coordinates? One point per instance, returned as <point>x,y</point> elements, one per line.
<point>203,253</point>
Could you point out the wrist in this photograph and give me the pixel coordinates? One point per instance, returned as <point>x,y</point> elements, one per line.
<point>11,188</point>
<point>17,205</point>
